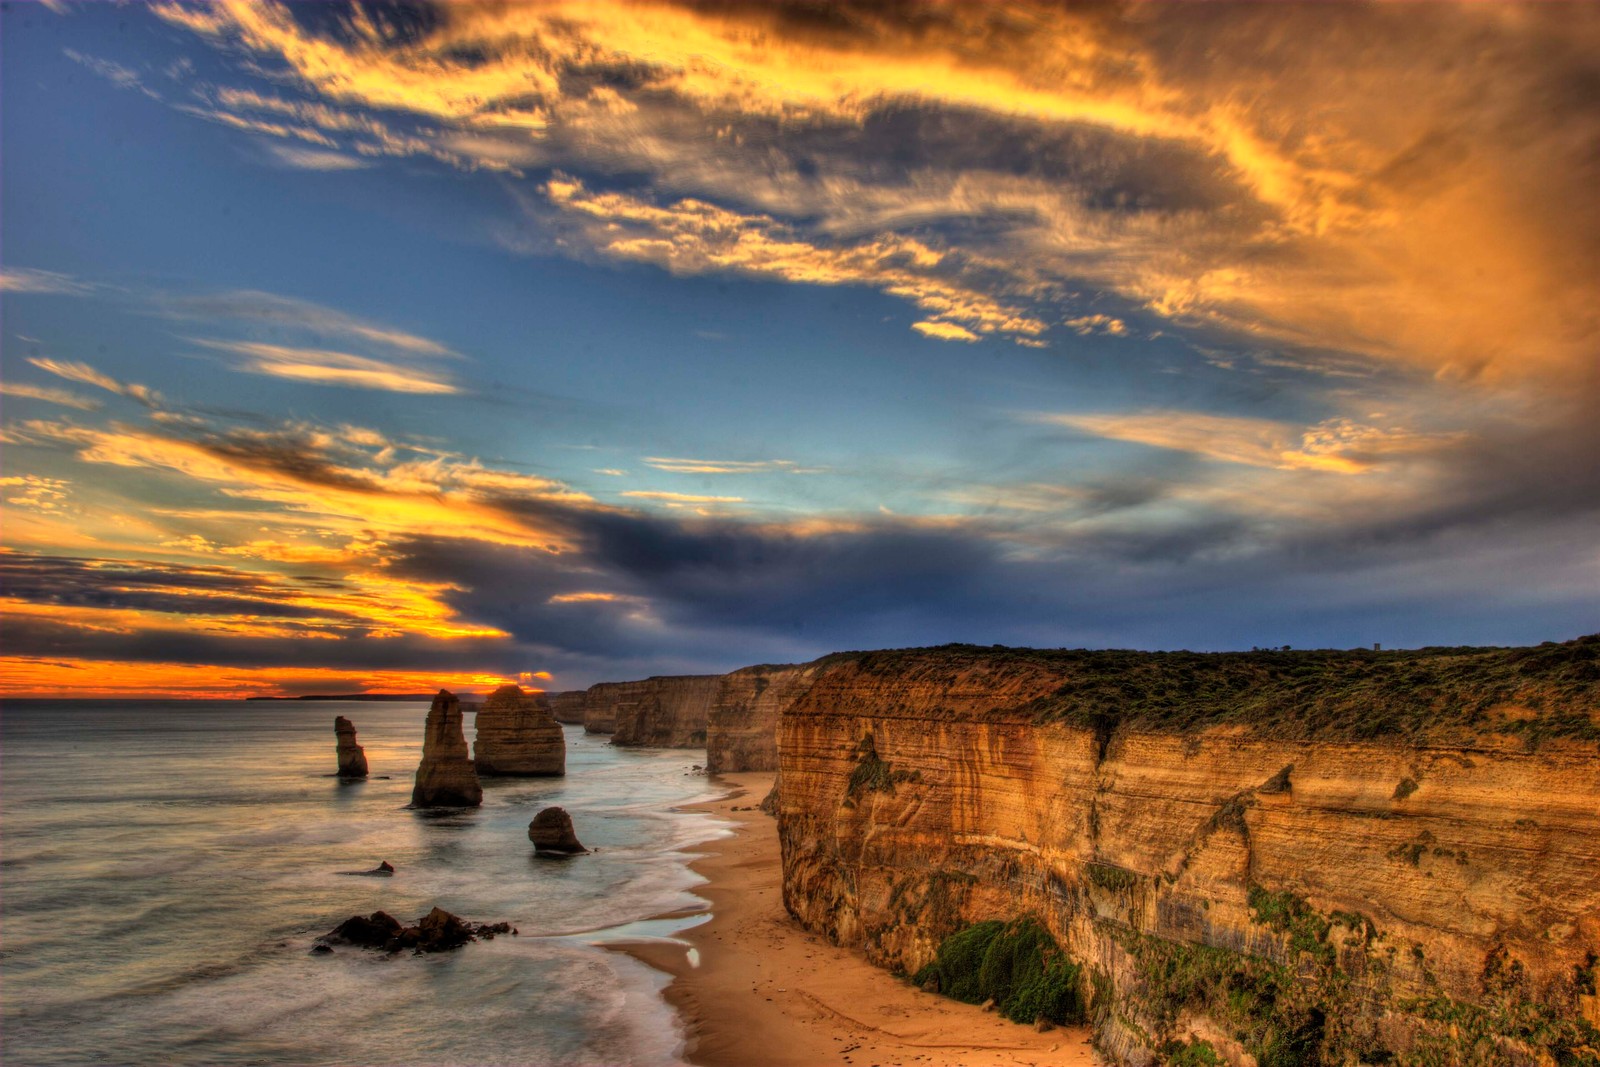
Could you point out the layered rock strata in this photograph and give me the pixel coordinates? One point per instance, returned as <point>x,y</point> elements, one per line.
<point>670,712</point>
<point>352,757</point>
<point>516,735</point>
<point>567,707</point>
<point>446,777</point>
<point>1354,860</point>
<point>742,726</point>
<point>600,703</point>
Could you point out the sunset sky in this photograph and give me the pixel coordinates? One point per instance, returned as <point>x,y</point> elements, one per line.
<point>357,348</point>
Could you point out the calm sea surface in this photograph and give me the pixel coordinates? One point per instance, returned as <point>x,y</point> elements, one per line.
<point>165,866</point>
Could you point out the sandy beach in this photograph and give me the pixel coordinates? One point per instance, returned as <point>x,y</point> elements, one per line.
<point>765,992</point>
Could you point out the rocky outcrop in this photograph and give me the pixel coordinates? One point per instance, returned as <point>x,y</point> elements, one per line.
<point>551,831</point>
<point>670,713</point>
<point>567,707</point>
<point>600,704</point>
<point>352,757</point>
<point>445,778</point>
<point>437,931</point>
<point>1314,858</point>
<point>667,711</point>
<point>516,735</point>
<point>742,727</point>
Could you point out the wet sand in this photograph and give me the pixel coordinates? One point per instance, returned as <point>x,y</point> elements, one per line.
<point>766,992</point>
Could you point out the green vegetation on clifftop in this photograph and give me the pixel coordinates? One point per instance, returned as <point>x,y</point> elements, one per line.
<point>1417,696</point>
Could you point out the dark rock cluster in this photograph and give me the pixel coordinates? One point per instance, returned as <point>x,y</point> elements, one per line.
<point>437,931</point>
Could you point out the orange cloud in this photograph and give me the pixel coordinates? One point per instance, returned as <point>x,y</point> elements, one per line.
<point>322,367</point>
<point>26,676</point>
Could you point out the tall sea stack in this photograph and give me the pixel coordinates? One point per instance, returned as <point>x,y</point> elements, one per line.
<point>352,759</point>
<point>445,778</point>
<point>517,735</point>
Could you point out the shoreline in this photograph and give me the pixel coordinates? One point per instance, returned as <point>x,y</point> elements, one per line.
<point>766,992</point>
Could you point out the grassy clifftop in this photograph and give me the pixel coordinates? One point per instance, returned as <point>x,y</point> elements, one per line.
<point>1410,695</point>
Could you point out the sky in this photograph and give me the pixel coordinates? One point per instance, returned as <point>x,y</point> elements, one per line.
<point>387,348</point>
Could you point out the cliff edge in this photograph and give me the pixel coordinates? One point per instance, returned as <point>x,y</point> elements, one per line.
<point>1263,858</point>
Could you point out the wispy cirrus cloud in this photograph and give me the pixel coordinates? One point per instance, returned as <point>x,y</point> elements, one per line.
<point>252,306</point>
<point>679,465</point>
<point>29,280</point>
<point>323,367</point>
<point>680,498</point>
<point>49,395</point>
<point>74,371</point>
<point>1337,446</point>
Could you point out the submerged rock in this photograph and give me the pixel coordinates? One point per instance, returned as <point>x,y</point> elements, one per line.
<point>551,831</point>
<point>352,758</point>
<point>518,735</point>
<point>445,778</point>
<point>437,931</point>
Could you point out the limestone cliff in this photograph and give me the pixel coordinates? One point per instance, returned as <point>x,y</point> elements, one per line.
<point>516,735</point>
<point>445,777</point>
<point>601,700</point>
<point>742,727</point>
<point>1296,858</point>
<point>568,706</point>
<point>669,712</point>
<point>352,757</point>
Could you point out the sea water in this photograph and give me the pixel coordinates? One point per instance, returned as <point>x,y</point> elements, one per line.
<point>166,866</point>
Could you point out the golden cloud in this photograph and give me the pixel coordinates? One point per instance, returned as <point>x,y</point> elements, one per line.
<point>323,367</point>
<point>1450,234</point>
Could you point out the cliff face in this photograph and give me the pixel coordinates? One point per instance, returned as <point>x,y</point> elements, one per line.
<point>742,727</point>
<point>568,707</point>
<point>600,703</point>
<point>516,735</point>
<point>1288,893</point>
<point>668,712</point>
<point>445,778</point>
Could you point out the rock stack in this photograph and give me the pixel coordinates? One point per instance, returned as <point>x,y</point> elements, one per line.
<point>352,758</point>
<point>551,832</point>
<point>445,778</point>
<point>517,735</point>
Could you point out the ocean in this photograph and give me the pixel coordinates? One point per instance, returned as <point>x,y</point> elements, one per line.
<point>166,866</point>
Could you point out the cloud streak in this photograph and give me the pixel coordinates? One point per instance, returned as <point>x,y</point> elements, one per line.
<point>323,367</point>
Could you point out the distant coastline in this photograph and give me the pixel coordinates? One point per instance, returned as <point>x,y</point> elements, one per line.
<point>424,697</point>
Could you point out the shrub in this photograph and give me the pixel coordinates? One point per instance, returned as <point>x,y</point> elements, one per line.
<point>1017,964</point>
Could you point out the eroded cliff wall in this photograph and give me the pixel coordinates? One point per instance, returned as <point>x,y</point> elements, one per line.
<point>1346,886</point>
<point>600,703</point>
<point>567,707</point>
<point>669,712</point>
<point>742,728</point>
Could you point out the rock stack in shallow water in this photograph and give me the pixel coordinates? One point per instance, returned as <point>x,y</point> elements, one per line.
<point>445,778</point>
<point>551,831</point>
<point>352,758</point>
<point>517,735</point>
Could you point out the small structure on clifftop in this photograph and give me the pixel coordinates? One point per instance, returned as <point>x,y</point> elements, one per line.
<point>445,778</point>
<point>517,735</point>
<point>551,832</point>
<point>352,758</point>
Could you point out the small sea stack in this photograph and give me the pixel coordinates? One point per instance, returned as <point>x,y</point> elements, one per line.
<point>352,758</point>
<point>445,778</point>
<point>551,833</point>
<point>516,735</point>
